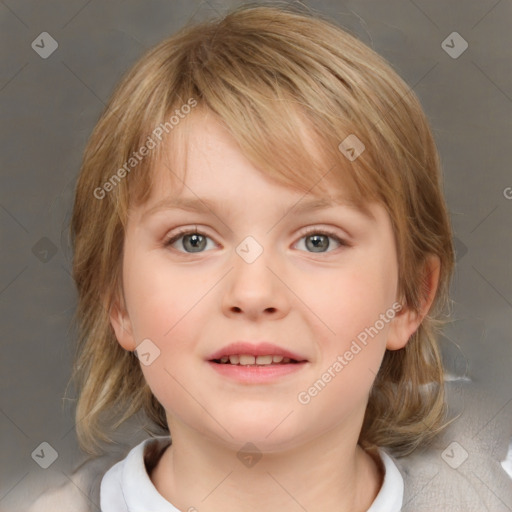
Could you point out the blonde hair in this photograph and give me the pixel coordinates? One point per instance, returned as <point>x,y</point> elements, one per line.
<point>282,81</point>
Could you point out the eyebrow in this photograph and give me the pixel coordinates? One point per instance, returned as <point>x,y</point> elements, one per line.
<point>205,205</point>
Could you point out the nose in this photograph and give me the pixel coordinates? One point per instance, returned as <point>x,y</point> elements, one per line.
<point>256,289</point>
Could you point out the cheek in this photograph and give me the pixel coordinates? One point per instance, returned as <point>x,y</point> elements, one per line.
<point>353,298</point>
<point>351,355</point>
<point>353,345</point>
<point>159,297</point>
<point>162,306</point>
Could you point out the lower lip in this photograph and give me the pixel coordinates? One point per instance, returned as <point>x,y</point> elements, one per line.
<point>256,374</point>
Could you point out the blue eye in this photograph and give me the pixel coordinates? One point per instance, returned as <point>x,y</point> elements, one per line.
<point>193,241</point>
<point>318,241</point>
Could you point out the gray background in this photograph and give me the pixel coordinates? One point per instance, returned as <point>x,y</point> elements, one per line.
<point>48,108</point>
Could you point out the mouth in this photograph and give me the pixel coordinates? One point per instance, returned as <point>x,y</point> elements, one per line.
<point>256,363</point>
<point>251,360</point>
<point>244,353</point>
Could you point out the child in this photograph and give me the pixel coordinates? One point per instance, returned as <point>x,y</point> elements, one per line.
<point>262,254</point>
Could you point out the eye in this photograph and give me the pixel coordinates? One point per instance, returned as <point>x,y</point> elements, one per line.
<point>192,241</point>
<point>318,240</point>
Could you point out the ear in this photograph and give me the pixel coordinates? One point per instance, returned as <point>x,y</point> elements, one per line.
<point>407,321</point>
<point>122,326</point>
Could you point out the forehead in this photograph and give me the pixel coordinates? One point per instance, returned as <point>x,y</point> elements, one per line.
<point>203,155</point>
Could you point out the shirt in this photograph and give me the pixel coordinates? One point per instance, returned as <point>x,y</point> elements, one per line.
<point>127,487</point>
<point>465,468</point>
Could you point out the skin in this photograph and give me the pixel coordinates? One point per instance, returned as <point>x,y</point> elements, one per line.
<point>189,304</point>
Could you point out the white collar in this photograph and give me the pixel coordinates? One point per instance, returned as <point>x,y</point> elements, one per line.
<point>126,486</point>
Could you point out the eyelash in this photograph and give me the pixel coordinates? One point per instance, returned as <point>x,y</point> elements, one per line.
<point>307,232</point>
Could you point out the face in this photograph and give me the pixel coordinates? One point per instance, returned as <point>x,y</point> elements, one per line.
<point>235,257</point>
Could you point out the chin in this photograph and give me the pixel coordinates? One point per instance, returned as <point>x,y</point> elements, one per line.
<point>267,433</point>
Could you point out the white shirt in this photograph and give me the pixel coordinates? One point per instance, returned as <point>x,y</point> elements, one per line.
<point>126,486</point>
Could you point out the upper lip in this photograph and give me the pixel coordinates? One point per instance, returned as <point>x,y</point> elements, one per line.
<point>254,349</point>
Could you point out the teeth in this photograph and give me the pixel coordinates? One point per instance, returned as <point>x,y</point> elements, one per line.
<point>264,360</point>
<point>248,360</point>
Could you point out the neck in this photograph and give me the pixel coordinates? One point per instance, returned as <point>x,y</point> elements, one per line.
<point>326,474</point>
